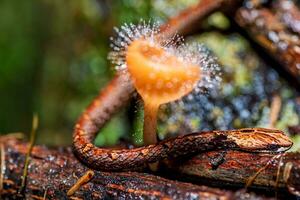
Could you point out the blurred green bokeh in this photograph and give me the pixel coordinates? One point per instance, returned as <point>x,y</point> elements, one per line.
<point>53,59</point>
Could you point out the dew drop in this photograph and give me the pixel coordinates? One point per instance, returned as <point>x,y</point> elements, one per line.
<point>169,85</point>
<point>159,84</point>
<point>148,86</point>
<point>152,75</point>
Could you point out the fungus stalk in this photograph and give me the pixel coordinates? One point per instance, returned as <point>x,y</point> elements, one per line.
<point>150,123</point>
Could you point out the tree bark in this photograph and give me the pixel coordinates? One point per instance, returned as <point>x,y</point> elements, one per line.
<point>236,168</point>
<point>52,172</point>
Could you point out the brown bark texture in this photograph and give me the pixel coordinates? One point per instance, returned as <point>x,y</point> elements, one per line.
<point>52,172</point>
<point>235,168</point>
<point>276,30</point>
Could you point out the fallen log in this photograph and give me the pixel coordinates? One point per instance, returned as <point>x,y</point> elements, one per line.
<point>240,169</point>
<point>52,172</point>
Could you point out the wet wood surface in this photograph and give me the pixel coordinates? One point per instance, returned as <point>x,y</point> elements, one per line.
<point>52,172</point>
<point>235,168</point>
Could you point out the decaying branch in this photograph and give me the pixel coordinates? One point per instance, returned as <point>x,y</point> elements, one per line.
<point>289,14</point>
<point>237,168</point>
<point>189,20</point>
<point>272,33</point>
<point>52,172</point>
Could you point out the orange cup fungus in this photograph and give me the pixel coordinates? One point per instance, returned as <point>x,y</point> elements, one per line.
<point>159,77</point>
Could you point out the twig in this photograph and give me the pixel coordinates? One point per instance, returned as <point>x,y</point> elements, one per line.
<point>2,166</point>
<point>252,178</point>
<point>31,144</point>
<point>278,174</point>
<point>287,171</point>
<point>45,194</point>
<point>82,180</point>
<point>274,110</point>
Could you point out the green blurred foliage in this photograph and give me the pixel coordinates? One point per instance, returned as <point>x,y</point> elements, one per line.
<point>53,61</point>
<point>21,41</point>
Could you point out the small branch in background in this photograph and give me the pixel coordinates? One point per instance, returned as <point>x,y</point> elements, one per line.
<point>278,173</point>
<point>275,110</point>
<point>273,36</point>
<point>45,194</point>
<point>30,146</point>
<point>289,14</point>
<point>185,21</point>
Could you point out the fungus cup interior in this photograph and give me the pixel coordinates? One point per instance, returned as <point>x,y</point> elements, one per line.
<point>159,77</point>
